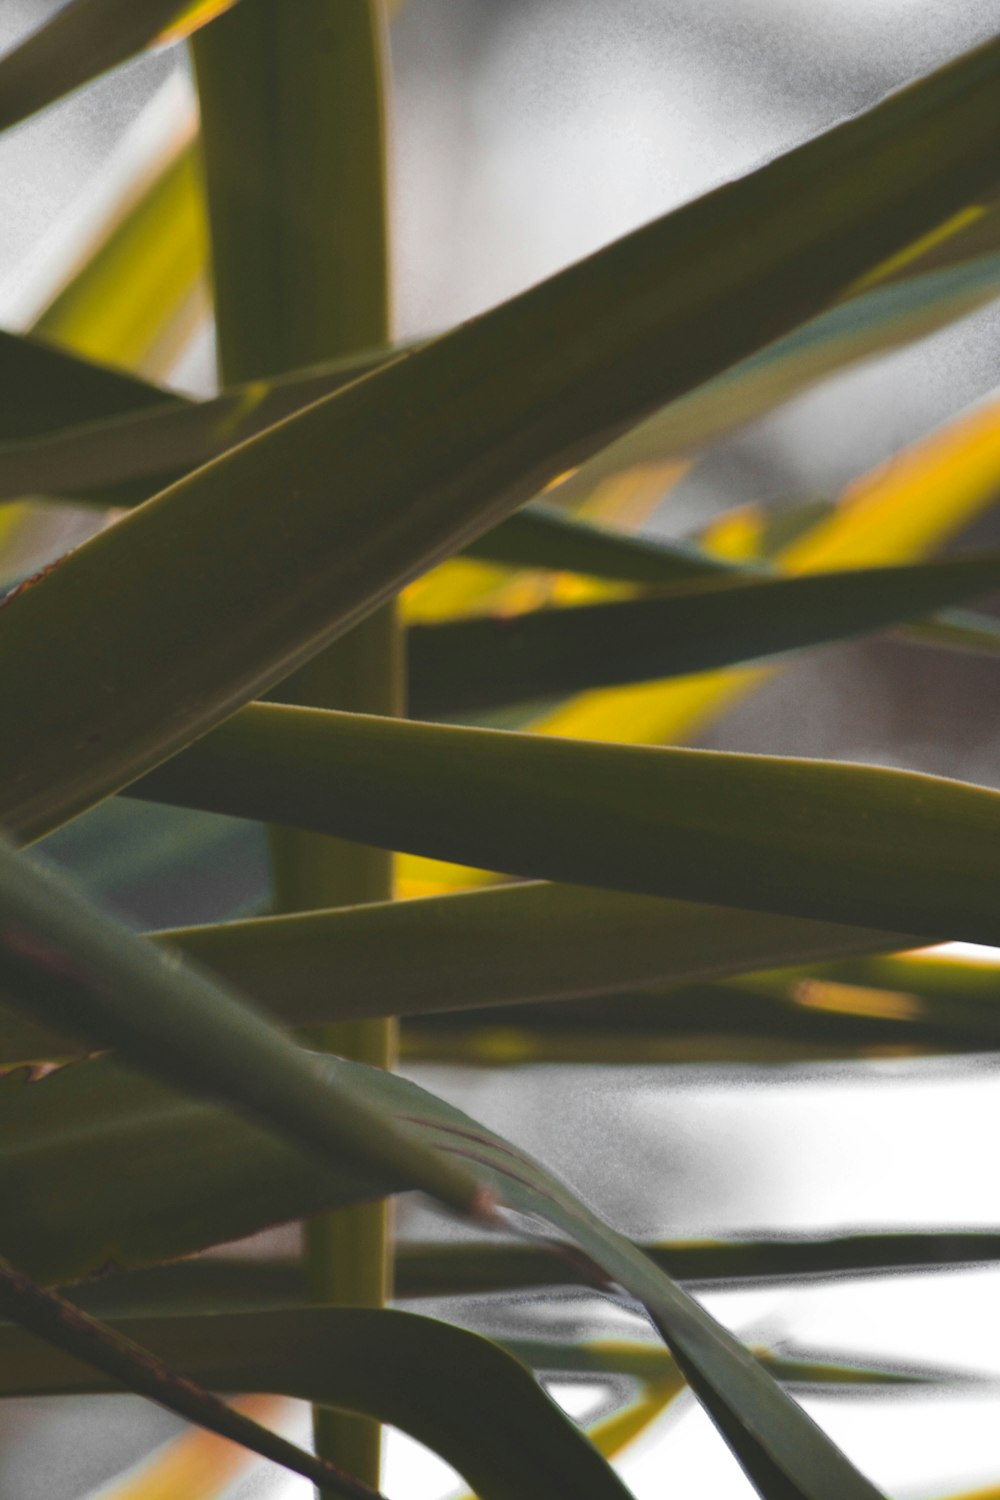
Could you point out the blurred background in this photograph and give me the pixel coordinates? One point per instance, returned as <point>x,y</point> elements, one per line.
<point>527,133</point>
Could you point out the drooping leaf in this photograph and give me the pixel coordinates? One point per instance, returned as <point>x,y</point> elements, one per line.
<point>494,660</point>
<point>592,350</point>
<point>819,839</point>
<point>65,964</point>
<point>75,1338</point>
<point>423,1376</point>
<point>774,1440</point>
<point>84,39</point>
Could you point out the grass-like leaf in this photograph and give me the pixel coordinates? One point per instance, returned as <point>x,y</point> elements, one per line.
<point>489,661</point>
<point>840,843</point>
<point>219,1284</point>
<point>328,520</point>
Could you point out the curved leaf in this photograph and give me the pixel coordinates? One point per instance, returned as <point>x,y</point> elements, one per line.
<point>118,1361</point>
<point>778,1445</point>
<point>424,1377</point>
<point>837,842</point>
<point>481,419</point>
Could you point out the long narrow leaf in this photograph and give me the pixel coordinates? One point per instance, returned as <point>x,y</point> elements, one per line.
<point>490,661</point>
<point>836,842</point>
<point>480,420</point>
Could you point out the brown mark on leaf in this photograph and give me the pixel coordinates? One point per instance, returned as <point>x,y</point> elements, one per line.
<point>28,583</point>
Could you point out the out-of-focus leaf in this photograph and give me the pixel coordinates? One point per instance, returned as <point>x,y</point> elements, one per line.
<point>956,630</point>
<point>425,1377</point>
<point>654,1365</point>
<point>594,349</point>
<point>493,660</point>
<point>871,321</point>
<point>73,1337</point>
<point>65,964</point>
<point>84,39</point>
<point>219,1284</point>
<point>139,297</point>
<point>837,842</point>
<point>772,1437</point>
<point>197,1465</point>
<point>897,513</point>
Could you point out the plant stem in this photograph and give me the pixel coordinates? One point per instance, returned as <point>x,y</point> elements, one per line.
<point>294,142</point>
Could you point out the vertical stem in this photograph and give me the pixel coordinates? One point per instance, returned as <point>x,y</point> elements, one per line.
<point>293,135</point>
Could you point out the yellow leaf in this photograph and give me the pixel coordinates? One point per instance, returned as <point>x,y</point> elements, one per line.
<point>198,1465</point>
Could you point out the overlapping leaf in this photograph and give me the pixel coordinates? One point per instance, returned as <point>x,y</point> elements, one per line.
<point>481,419</point>
<point>64,964</point>
<point>773,1438</point>
<point>424,1377</point>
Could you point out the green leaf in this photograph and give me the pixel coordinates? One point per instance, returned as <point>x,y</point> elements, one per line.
<point>219,1284</point>
<point>481,419</point>
<point>122,454</point>
<point>527,942</point>
<point>46,388</point>
<point>463,665</point>
<point>840,843</point>
<point>128,457</point>
<point>423,1376</point>
<point>44,1147</point>
<point>82,40</point>
<point>75,1339</point>
<point>462,951</point>
<point>65,964</point>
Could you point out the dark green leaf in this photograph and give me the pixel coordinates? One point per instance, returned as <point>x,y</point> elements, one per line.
<point>74,1340</point>
<point>488,661</point>
<point>218,1284</point>
<point>462,1396</point>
